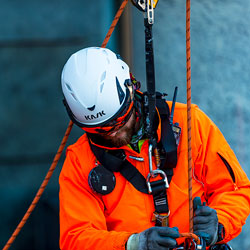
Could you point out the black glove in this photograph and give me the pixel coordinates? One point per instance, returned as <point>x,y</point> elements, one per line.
<point>205,222</point>
<point>153,238</point>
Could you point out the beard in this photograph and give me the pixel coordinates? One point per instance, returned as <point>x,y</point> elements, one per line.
<point>123,135</point>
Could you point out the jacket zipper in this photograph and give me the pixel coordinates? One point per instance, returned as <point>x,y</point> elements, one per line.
<point>229,168</point>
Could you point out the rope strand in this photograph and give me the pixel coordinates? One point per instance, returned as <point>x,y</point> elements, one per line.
<point>114,23</point>
<point>188,65</point>
<point>61,147</point>
<point>191,236</point>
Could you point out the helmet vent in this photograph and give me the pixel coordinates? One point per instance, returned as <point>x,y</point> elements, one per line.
<point>101,87</point>
<point>71,91</point>
<point>103,76</point>
<point>91,108</point>
<point>118,56</point>
<point>73,96</point>
<point>120,92</point>
<point>68,87</point>
<point>106,54</point>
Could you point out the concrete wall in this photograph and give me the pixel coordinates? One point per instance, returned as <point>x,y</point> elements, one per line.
<point>220,66</point>
<point>36,39</point>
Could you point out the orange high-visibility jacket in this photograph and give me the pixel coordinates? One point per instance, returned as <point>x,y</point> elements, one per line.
<point>92,221</point>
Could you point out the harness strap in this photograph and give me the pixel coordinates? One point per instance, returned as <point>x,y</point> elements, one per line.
<point>167,135</point>
<point>159,191</point>
<point>116,164</point>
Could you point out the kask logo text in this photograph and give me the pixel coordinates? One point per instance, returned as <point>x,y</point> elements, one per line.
<point>91,117</point>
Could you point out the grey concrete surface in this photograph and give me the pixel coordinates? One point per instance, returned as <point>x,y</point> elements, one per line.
<point>36,39</point>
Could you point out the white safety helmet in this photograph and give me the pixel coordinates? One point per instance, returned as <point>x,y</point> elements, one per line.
<point>97,90</point>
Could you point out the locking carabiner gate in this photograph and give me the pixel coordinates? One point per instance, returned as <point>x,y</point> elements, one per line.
<point>154,173</point>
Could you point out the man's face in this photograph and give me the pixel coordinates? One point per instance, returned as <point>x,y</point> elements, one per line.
<point>124,135</point>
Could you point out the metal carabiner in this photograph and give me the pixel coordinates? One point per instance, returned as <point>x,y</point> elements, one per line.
<point>192,244</point>
<point>153,173</point>
<point>150,150</point>
<point>150,11</point>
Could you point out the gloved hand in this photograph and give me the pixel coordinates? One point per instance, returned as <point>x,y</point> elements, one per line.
<point>153,238</point>
<point>205,222</point>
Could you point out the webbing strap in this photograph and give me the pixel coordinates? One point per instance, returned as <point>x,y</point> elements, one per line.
<point>150,101</point>
<point>115,164</point>
<point>167,135</point>
<point>132,174</point>
<point>160,197</point>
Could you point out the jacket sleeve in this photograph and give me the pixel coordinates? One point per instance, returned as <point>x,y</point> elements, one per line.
<point>82,219</point>
<point>227,188</point>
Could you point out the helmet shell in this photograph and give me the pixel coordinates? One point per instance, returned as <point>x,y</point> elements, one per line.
<point>94,85</point>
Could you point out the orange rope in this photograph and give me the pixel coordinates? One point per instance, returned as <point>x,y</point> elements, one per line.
<point>60,149</point>
<point>113,24</point>
<point>188,58</point>
<point>191,236</point>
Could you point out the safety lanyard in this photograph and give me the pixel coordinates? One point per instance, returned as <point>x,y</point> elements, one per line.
<point>157,188</point>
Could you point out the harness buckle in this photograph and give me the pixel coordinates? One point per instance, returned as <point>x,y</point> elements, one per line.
<point>162,218</point>
<point>153,174</point>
